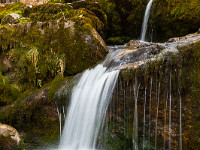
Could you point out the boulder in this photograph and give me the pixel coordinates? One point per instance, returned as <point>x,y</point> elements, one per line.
<point>11,18</point>
<point>9,138</point>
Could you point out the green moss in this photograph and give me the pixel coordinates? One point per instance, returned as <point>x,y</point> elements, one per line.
<point>174,18</point>
<point>89,17</point>
<point>9,92</point>
<point>50,11</point>
<point>12,8</point>
<point>117,40</point>
<point>93,7</point>
<point>54,86</point>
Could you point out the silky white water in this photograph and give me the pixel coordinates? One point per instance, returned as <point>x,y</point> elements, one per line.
<point>87,109</point>
<point>145,20</point>
<point>135,123</point>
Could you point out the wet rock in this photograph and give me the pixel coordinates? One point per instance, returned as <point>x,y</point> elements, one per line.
<point>9,138</point>
<point>11,18</point>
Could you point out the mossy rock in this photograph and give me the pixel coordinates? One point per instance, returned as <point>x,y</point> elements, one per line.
<point>34,116</point>
<point>11,18</point>
<point>10,138</point>
<point>9,92</point>
<point>73,41</point>
<point>44,12</point>
<point>12,8</point>
<point>89,17</point>
<point>117,40</point>
<point>174,18</point>
<point>92,6</point>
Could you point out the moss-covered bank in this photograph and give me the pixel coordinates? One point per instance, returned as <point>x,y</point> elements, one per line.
<point>38,52</point>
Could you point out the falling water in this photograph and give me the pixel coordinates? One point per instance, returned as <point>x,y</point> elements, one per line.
<point>135,129</point>
<point>145,21</point>
<point>170,116</point>
<point>157,116</point>
<point>60,118</point>
<point>180,107</point>
<point>87,109</point>
<point>150,115</point>
<point>165,122</point>
<point>145,98</point>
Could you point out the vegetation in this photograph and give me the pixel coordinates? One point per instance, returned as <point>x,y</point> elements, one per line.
<point>48,41</point>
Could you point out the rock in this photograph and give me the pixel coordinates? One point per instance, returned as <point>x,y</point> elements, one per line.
<point>73,38</point>
<point>38,113</point>
<point>11,18</point>
<point>9,138</point>
<point>198,31</point>
<point>34,2</point>
<point>6,63</point>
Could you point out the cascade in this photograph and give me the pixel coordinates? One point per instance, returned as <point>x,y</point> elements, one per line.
<point>135,128</point>
<point>89,102</point>
<point>180,124</point>
<point>170,110</point>
<point>144,122</point>
<point>60,120</point>
<point>165,118</point>
<point>145,20</point>
<point>150,112</point>
<point>158,101</point>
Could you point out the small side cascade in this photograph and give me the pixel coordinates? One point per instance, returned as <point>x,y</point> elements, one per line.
<point>145,20</point>
<point>170,111</point>
<point>180,125</point>
<point>60,121</point>
<point>135,127</point>
<point>144,123</point>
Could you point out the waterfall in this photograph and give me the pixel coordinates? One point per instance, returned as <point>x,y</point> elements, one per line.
<point>145,20</point>
<point>87,109</point>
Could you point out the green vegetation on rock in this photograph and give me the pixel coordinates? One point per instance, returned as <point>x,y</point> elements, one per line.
<point>11,8</point>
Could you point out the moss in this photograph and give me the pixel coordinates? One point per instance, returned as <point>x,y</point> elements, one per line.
<point>9,92</point>
<point>35,117</point>
<point>89,17</point>
<point>190,83</point>
<point>117,40</point>
<point>12,8</point>
<point>54,86</point>
<point>93,7</point>
<point>46,12</point>
<point>6,143</point>
<point>174,18</point>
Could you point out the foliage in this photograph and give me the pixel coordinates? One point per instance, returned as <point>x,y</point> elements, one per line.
<point>8,92</point>
<point>174,18</point>
<point>50,11</point>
